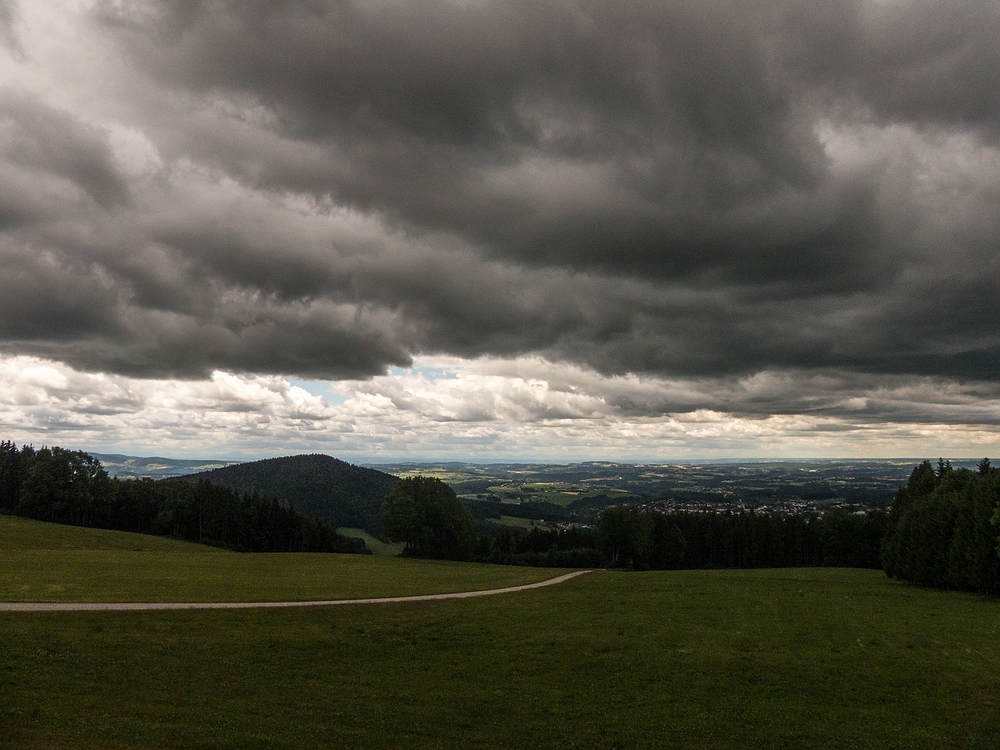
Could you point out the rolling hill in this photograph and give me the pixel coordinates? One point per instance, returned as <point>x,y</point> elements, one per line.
<point>315,485</point>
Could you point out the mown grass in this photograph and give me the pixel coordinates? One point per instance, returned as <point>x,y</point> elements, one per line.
<point>810,658</point>
<point>375,545</point>
<point>48,562</point>
<point>804,658</point>
<point>21,534</point>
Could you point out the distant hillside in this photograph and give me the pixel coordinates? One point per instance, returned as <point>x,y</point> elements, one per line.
<point>154,467</point>
<point>316,485</point>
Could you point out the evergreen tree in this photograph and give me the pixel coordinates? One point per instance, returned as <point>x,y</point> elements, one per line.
<point>625,536</point>
<point>11,476</point>
<point>63,486</point>
<point>940,532</point>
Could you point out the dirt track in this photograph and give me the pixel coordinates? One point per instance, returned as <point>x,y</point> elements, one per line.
<point>142,606</point>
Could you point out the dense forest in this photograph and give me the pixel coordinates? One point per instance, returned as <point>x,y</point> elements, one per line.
<point>315,485</point>
<point>943,529</point>
<point>638,539</point>
<point>54,484</point>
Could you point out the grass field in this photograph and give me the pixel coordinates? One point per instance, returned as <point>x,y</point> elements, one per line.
<point>23,534</point>
<point>48,562</point>
<point>804,658</point>
<point>375,545</point>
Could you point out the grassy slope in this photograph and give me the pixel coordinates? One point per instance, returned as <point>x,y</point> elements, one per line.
<point>21,534</point>
<point>375,546</point>
<point>777,658</point>
<point>49,562</point>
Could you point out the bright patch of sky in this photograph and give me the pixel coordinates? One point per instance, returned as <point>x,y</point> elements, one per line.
<point>322,388</point>
<point>428,372</point>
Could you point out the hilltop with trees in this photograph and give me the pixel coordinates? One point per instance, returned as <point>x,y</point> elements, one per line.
<point>315,485</point>
<point>71,487</point>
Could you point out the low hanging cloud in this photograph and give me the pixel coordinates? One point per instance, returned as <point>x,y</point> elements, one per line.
<point>790,208</point>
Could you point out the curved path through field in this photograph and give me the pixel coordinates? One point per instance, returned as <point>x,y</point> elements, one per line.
<point>139,606</point>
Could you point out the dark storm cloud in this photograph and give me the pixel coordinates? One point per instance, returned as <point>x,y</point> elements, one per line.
<point>684,188</point>
<point>656,131</point>
<point>42,140</point>
<point>45,297</point>
<point>914,61</point>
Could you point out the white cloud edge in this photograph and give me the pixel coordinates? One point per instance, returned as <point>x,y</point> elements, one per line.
<point>481,410</point>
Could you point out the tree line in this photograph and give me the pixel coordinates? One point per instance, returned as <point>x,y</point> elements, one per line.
<point>645,539</point>
<point>71,487</point>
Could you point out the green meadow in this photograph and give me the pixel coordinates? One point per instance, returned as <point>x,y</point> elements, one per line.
<point>375,545</point>
<point>794,658</point>
<point>49,562</point>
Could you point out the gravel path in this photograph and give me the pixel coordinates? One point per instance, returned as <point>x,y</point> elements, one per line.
<point>141,606</point>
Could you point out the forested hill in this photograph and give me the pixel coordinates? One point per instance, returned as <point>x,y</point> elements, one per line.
<point>316,485</point>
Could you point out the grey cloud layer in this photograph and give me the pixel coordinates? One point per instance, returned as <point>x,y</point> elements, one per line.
<point>684,188</point>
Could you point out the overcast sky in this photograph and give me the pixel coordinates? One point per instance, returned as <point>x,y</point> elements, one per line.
<point>495,229</point>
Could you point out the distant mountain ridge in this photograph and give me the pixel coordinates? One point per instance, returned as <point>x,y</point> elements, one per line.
<point>314,484</point>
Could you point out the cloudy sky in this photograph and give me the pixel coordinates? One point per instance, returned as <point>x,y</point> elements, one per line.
<point>496,229</point>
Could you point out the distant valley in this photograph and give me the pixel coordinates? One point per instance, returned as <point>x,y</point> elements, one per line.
<point>559,493</point>
<point>582,489</point>
<point>155,467</point>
